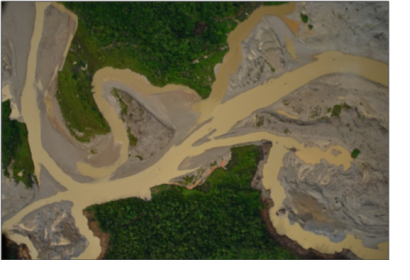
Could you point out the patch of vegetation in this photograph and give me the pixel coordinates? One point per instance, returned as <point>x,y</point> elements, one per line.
<point>286,131</point>
<point>74,93</point>
<point>160,40</point>
<point>109,35</point>
<point>384,129</point>
<point>218,220</point>
<point>15,149</point>
<point>336,110</point>
<point>124,107</point>
<point>259,120</point>
<point>274,3</point>
<point>310,27</point>
<point>132,139</point>
<point>304,18</point>
<point>189,179</point>
<point>355,153</point>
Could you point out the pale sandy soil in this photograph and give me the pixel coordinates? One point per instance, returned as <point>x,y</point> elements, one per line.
<point>53,231</point>
<point>272,44</point>
<point>337,26</point>
<point>17,25</point>
<point>173,109</point>
<point>15,197</point>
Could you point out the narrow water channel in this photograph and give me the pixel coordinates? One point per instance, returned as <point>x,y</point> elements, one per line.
<point>224,117</point>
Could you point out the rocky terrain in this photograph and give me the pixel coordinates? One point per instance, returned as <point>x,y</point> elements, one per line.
<point>147,134</point>
<point>272,49</point>
<point>158,121</point>
<point>15,197</point>
<point>328,201</point>
<point>340,109</point>
<point>53,232</point>
<point>325,199</point>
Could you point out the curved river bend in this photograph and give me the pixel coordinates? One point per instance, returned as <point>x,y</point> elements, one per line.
<point>224,117</point>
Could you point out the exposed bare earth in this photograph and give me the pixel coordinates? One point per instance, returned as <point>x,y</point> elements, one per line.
<point>53,232</point>
<point>293,246</point>
<point>64,149</point>
<point>336,26</point>
<point>267,203</point>
<point>325,199</point>
<point>322,198</point>
<point>15,197</point>
<point>152,135</point>
<point>15,46</point>
<point>172,113</point>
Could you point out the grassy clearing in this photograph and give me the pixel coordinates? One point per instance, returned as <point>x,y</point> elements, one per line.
<point>74,95</point>
<point>217,220</point>
<point>15,149</point>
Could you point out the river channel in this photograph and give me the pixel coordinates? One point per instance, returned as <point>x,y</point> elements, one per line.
<point>223,117</point>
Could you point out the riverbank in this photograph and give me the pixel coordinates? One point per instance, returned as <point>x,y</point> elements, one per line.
<point>15,38</point>
<point>193,223</point>
<point>223,131</point>
<point>12,251</point>
<point>96,229</point>
<point>293,246</point>
<point>267,203</point>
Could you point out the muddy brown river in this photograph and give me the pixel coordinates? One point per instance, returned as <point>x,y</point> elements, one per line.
<point>224,117</point>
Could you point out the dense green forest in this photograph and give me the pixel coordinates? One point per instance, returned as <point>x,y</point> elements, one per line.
<point>218,220</point>
<point>15,149</point>
<point>160,40</point>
